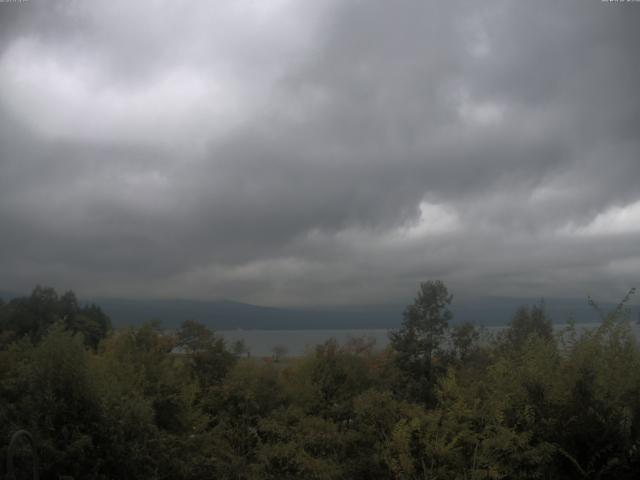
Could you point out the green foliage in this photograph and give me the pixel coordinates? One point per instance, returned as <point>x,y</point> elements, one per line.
<point>294,445</point>
<point>31,317</point>
<point>465,341</point>
<point>206,353</point>
<point>146,404</point>
<point>526,322</point>
<point>418,341</point>
<point>50,391</point>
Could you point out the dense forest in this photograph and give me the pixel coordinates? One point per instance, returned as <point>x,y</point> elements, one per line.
<point>441,402</point>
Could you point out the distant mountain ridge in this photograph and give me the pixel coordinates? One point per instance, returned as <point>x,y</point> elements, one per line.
<point>231,315</point>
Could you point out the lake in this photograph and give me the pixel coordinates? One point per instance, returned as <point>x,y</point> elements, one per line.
<point>297,342</point>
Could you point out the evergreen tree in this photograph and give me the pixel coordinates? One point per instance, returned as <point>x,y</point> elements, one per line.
<point>418,341</point>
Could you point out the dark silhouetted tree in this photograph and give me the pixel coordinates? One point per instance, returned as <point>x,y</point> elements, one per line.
<point>528,321</point>
<point>419,338</point>
<point>210,361</point>
<point>464,340</point>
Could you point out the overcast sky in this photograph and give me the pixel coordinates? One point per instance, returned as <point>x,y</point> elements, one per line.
<point>321,152</point>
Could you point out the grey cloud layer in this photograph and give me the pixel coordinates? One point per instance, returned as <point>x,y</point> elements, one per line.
<point>334,154</point>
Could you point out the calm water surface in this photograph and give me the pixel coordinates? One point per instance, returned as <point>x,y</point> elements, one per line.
<point>297,342</point>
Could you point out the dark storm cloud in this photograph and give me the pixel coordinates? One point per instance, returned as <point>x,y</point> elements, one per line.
<point>334,154</point>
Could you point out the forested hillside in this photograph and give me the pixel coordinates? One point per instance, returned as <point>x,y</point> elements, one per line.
<point>440,403</point>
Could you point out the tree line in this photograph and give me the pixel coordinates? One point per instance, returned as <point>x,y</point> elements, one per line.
<point>441,402</point>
